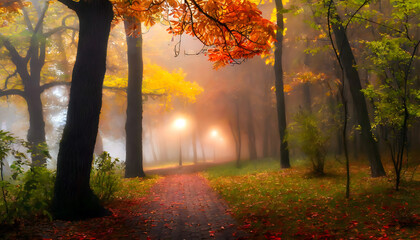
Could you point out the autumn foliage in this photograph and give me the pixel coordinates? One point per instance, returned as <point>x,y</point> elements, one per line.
<point>230,31</point>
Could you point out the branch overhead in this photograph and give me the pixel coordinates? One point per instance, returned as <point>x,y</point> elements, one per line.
<point>231,30</point>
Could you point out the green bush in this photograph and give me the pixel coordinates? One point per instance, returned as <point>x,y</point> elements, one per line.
<point>310,138</point>
<point>24,193</point>
<point>104,179</point>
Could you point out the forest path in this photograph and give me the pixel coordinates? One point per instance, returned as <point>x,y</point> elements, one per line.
<point>179,206</point>
<point>185,207</point>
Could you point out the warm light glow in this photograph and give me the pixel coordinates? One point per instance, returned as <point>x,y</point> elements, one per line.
<point>180,123</point>
<point>214,133</point>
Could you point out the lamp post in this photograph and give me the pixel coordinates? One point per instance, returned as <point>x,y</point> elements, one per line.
<point>180,124</point>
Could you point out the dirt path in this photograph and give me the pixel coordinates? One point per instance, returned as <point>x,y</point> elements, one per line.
<point>185,207</point>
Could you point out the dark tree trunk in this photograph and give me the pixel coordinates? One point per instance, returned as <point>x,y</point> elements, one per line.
<point>36,132</point>
<point>352,77</point>
<point>307,103</point>
<point>73,197</point>
<point>252,145</point>
<point>306,87</point>
<point>281,106</point>
<point>133,126</point>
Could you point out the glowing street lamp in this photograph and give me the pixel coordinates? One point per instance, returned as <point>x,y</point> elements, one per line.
<point>180,124</point>
<point>214,134</point>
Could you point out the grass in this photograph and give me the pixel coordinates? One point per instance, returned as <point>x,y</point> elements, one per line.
<point>292,203</point>
<point>132,188</point>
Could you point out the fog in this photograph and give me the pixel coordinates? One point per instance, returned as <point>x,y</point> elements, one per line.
<point>234,98</point>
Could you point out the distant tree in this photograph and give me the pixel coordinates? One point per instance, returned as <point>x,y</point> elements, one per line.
<point>28,65</point>
<point>252,144</point>
<point>133,126</point>
<point>235,128</point>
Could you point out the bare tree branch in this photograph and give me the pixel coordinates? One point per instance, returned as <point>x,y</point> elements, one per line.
<point>11,92</point>
<point>16,58</point>
<point>9,77</point>
<point>53,84</point>
<point>27,20</point>
<point>38,26</point>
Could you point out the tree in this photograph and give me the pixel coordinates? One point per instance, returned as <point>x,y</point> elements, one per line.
<point>278,69</point>
<point>395,96</point>
<point>73,197</point>
<point>235,127</point>
<point>351,74</point>
<point>235,29</point>
<point>29,66</point>
<point>133,126</point>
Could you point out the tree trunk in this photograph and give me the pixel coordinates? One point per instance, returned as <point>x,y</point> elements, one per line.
<point>252,145</point>
<point>194,145</point>
<point>203,154</point>
<point>267,119</point>
<point>133,126</point>
<point>36,132</point>
<point>238,130</point>
<point>73,198</point>
<point>352,77</point>
<point>281,106</point>
<point>152,145</point>
<point>266,136</point>
<point>31,78</point>
<point>307,102</point>
<point>306,87</point>
<point>235,129</point>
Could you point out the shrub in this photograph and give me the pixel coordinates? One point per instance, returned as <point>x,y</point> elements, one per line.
<point>24,193</point>
<point>104,179</point>
<point>310,138</point>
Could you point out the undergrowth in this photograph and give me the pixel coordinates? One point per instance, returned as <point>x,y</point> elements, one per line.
<point>292,203</point>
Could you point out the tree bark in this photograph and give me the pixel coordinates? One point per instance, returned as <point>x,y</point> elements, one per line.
<point>281,106</point>
<point>73,198</point>
<point>133,126</point>
<point>359,102</point>
<point>36,131</point>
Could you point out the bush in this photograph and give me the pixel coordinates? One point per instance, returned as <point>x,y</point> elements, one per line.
<point>104,179</point>
<point>24,193</point>
<point>308,135</point>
